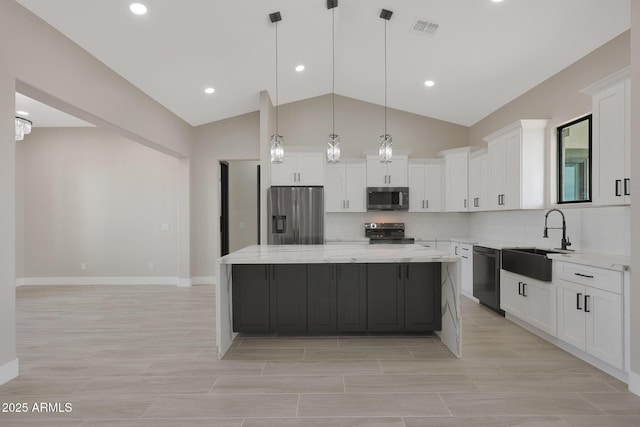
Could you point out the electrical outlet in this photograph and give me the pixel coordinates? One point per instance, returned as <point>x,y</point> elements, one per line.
<point>83,266</point>
<point>150,266</point>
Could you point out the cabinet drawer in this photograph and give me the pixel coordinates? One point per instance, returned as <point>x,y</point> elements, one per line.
<point>600,278</point>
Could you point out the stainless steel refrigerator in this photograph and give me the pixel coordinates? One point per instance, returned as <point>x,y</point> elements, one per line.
<point>296,215</point>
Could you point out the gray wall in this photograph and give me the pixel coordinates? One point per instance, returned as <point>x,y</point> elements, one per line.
<point>243,203</point>
<point>94,197</point>
<point>559,98</point>
<point>635,213</point>
<point>47,66</point>
<point>236,138</point>
<point>360,124</point>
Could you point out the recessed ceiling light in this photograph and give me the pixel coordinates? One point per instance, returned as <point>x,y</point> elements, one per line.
<point>300,68</point>
<point>496,1</point>
<point>429,83</point>
<point>138,8</point>
<point>22,113</point>
<point>209,90</point>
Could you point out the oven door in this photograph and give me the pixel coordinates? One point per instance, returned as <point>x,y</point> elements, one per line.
<point>387,198</point>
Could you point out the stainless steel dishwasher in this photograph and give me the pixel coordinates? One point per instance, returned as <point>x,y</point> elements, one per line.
<point>486,277</point>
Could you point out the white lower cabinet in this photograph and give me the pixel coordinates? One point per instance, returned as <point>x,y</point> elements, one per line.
<point>590,318</point>
<point>530,300</point>
<point>465,251</point>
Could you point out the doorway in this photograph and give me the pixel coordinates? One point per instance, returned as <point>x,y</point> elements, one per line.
<point>239,204</point>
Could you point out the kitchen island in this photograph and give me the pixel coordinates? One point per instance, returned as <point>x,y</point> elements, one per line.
<point>402,258</point>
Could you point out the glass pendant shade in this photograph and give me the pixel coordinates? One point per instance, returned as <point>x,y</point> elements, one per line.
<point>333,148</point>
<point>277,149</point>
<point>23,127</point>
<point>386,151</point>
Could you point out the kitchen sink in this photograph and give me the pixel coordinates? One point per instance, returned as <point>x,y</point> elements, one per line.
<point>530,262</point>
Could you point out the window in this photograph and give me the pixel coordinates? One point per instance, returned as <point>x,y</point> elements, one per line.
<point>574,161</point>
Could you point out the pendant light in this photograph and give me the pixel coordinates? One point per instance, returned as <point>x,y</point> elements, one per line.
<point>23,127</point>
<point>385,150</point>
<point>277,142</point>
<point>333,148</point>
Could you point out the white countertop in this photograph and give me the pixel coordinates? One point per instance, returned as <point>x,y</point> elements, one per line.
<point>315,254</point>
<point>611,262</point>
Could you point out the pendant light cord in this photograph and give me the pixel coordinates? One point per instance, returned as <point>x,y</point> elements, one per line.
<point>333,68</point>
<point>385,77</point>
<point>277,103</point>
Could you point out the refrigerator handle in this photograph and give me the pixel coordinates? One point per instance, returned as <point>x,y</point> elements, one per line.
<point>296,223</point>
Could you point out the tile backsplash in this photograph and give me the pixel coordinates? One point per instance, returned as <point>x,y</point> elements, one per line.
<point>592,229</point>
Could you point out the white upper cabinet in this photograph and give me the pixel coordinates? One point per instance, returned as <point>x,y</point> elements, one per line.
<point>611,139</point>
<point>393,174</point>
<point>516,166</point>
<point>456,179</point>
<point>300,167</point>
<point>346,187</point>
<point>478,181</point>
<point>425,185</point>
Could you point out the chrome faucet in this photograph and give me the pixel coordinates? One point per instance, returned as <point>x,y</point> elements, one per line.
<point>565,240</point>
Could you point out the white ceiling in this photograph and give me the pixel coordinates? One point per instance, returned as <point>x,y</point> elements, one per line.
<point>484,55</point>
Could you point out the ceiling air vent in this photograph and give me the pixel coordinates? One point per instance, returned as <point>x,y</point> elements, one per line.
<point>424,27</point>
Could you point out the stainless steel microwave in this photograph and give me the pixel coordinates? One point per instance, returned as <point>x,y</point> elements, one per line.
<point>387,198</point>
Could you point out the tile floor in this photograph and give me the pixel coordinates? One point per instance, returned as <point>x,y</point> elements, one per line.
<point>145,356</point>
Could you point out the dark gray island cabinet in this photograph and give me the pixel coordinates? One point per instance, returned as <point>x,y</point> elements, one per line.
<point>336,298</point>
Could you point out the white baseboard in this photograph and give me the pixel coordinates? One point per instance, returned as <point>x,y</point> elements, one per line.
<point>116,280</point>
<point>8,371</point>
<point>100,280</point>
<point>203,280</point>
<point>634,383</point>
<point>184,283</point>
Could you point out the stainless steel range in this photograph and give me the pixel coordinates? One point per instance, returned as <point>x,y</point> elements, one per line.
<point>386,232</point>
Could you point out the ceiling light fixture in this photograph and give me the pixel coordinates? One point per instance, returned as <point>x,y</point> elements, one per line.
<point>429,83</point>
<point>23,127</point>
<point>385,151</point>
<point>300,68</point>
<point>333,148</point>
<point>138,8</point>
<point>277,142</point>
<point>22,113</point>
<point>209,90</point>
<point>497,1</point>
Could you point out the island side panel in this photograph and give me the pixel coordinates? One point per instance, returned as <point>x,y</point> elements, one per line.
<point>224,327</point>
<point>451,334</point>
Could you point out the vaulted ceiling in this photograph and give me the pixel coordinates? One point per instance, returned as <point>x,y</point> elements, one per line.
<point>483,55</point>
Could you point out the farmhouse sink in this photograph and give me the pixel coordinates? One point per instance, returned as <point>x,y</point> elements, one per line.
<point>530,262</point>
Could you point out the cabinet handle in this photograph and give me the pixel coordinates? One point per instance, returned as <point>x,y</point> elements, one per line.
<point>465,203</point>
<point>578,301</point>
<point>476,202</point>
<point>627,186</point>
<point>524,289</point>
<point>583,275</point>
<point>423,204</point>
<point>406,271</point>
<point>585,304</point>
<point>347,204</point>
<point>618,182</point>
<point>455,250</point>
<point>465,257</point>
<point>427,203</point>
<point>499,200</point>
<point>519,288</point>
<point>389,178</point>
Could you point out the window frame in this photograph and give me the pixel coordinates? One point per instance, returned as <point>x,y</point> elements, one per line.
<point>560,163</point>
